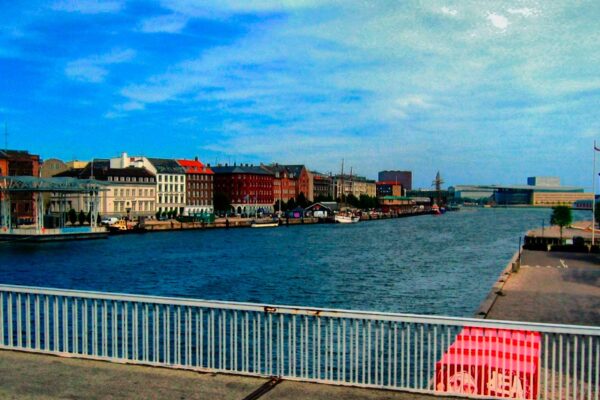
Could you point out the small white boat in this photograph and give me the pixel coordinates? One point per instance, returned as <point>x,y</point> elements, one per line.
<point>346,219</point>
<point>265,224</point>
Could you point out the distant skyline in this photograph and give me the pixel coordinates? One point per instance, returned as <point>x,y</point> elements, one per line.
<point>485,92</point>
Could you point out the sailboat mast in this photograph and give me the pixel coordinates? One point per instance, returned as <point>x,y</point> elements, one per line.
<point>342,180</point>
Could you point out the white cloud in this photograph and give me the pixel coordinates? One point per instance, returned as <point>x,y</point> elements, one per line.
<point>525,12</point>
<point>499,21</point>
<point>94,68</point>
<point>88,6</point>
<point>449,11</point>
<point>171,23</point>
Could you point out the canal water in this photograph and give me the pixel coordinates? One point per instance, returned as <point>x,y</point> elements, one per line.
<point>425,265</point>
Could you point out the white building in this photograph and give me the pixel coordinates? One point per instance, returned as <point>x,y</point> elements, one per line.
<point>170,180</point>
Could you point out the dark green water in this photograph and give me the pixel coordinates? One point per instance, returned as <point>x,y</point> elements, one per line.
<point>425,265</point>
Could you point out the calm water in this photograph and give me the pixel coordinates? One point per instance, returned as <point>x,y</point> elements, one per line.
<point>429,265</point>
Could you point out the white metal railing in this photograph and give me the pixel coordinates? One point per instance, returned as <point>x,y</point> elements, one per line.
<point>427,354</point>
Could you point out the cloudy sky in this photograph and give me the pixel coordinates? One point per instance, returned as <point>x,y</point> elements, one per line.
<point>485,92</point>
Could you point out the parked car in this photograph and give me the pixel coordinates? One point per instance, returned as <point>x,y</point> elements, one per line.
<point>109,221</point>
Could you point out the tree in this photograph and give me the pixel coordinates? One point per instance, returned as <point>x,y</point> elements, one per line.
<point>279,206</point>
<point>88,217</point>
<point>98,219</point>
<point>301,200</point>
<point>598,213</point>
<point>561,216</point>
<point>72,216</point>
<point>352,200</point>
<point>158,214</point>
<point>81,217</point>
<point>291,204</point>
<point>222,202</point>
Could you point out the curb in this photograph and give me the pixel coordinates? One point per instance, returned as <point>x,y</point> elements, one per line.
<point>487,304</point>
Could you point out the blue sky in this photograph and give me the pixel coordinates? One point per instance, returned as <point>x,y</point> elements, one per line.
<point>486,92</point>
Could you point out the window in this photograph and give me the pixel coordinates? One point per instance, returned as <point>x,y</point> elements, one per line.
<point>127,193</point>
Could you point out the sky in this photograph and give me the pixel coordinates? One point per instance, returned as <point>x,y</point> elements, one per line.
<point>485,92</point>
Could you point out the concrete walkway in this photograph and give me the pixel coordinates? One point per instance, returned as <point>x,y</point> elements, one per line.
<point>553,287</point>
<point>35,376</point>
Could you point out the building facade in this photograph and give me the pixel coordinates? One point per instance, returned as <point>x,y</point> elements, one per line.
<point>402,177</point>
<point>199,181</point>
<point>322,186</point>
<point>388,188</point>
<point>170,180</point>
<point>355,185</point>
<point>248,188</point>
<point>130,192</point>
<point>20,163</point>
<point>52,167</point>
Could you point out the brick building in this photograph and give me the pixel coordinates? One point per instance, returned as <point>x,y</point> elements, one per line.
<point>248,188</point>
<point>199,187</point>
<point>20,163</point>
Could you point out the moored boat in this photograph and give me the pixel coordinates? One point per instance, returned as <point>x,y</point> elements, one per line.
<point>346,219</point>
<point>264,224</point>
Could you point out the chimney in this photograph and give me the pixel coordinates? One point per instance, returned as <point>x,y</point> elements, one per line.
<point>196,158</point>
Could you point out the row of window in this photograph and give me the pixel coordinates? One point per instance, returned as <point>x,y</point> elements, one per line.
<point>196,185</point>
<point>132,192</point>
<point>198,177</point>
<point>170,188</point>
<point>171,178</point>
<point>121,206</point>
<point>130,179</point>
<point>198,194</point>
<point>200,203</point>
<point>170,199</point>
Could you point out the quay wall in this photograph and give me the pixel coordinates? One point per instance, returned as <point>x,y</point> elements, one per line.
<point>496,290</point>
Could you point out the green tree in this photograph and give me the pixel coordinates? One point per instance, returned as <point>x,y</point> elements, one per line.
<point>352,200</point>
<point>279,206</point>
<point>222,202</point>
<point>291,204</point>
<point>301,200</point>
<point>72,216</point>
<point>561,216</point>
<point>81,217</point>
<point>158,213</point>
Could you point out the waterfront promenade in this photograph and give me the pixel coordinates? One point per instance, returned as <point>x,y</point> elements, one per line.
<point>552,287</point>
<point>35,376</point>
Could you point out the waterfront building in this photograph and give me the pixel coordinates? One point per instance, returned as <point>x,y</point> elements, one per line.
<point>543,181</point>
<point>289,181</point>
<point>170,180</point>
<point>543,193</point>
<point>388,188</point>
<point>471,192</point>
<point>51,167</point>
<point>249,188</point>
<point>20,163</point>
<point>284,185</point>
<point>301,177</point>
<point>322,185</point>
<point>402,177</point>
<point>355,185</point>
<point>396,204</point>
<point>171,191</point>
<point>322,209</point>
<point>129,192</point>
<point>199,187</point>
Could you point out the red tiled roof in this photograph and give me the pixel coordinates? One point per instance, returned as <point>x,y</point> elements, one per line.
<point>195,167</point>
